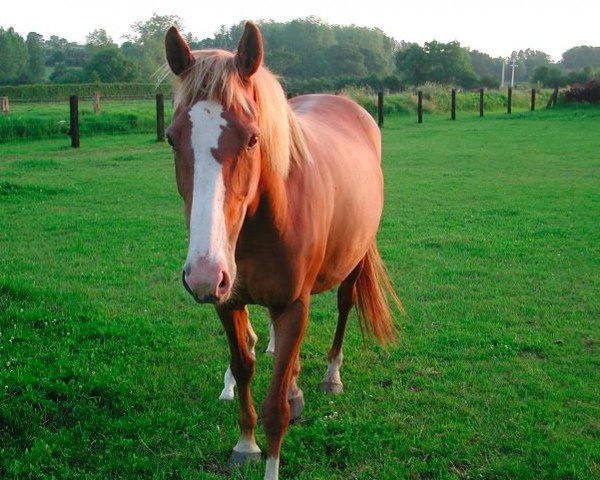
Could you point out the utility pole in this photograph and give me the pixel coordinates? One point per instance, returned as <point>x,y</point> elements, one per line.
<point>512,79</point>
<point>502,77</point>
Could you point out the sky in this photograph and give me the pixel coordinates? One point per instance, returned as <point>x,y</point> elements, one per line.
<point>496,28</point>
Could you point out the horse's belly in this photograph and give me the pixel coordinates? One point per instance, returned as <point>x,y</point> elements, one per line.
<point>352,232</point>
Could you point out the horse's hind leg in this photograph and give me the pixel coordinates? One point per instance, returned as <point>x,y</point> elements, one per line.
<point>228,379</point>
<point>295,395</point>
<point>332,383</point>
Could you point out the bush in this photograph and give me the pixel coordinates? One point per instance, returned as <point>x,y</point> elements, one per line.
<point>588,92</point>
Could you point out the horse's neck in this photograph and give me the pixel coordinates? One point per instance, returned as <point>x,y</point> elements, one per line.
<point>279,201</point>
<point>273,207</point>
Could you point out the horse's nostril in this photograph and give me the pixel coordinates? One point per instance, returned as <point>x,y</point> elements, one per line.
<point>224,285</point>
<point>185,284</point>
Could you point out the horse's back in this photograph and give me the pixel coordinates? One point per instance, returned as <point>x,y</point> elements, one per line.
<point>338,117</point>
<point>345,144</point>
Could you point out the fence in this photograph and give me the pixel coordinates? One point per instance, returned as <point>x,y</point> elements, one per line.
<point>86,115</point>
<point>551,103</point>
<point>146,114</point>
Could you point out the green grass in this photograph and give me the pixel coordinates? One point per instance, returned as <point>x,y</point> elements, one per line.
<point>490,231</point>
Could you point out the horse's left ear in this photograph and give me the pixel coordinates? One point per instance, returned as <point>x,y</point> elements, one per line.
<point>250,51</point>
<point>178,52</point>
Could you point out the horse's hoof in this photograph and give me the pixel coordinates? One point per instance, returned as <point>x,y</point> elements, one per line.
<point>226,395</point>
<point>333,388</point>
<point>243,458</point>
<point>296,405</point>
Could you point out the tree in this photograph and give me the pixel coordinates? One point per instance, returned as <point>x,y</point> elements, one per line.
<point>583,56</point>
<point>486,67</point>
<point>149,37</point>
<point>309,48</point>
<point>98,40</point>
<point>528,61</point>
<point>411,63</point>
<point>153,28</point>
<point>450,64</point>
<point>13,56</point>
<point>59,50</point>
<point>227,38</point>
<point>344,60</point>
<point>445,63</point>
<point>36,63</point>
<point>109,65</point>
<point>549,76</point>
<point>64,74</point>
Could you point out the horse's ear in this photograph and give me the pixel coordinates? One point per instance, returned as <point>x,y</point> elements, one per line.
<point>178,52</point>
<point>250,51</point>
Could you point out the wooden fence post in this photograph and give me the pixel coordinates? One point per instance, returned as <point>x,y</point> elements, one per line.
<point>96,103</point>
<point>553,97</point>
<point>160,117</point>
<point>532,99</point>
<point>481,102</point>
<point>380,108</point>
<point>509,106</point>
<point>74,120</point>
<point>4,106</point>
<point>420,106</point>
<point>453,104</point>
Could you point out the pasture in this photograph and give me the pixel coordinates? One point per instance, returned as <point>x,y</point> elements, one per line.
<point>490,232</point>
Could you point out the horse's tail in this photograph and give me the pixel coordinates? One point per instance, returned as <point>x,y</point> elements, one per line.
<point>373,288</point>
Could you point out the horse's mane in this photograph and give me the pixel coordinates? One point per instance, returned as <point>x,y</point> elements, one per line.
<point>215,76</point>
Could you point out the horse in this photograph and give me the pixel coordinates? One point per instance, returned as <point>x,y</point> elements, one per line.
<point>282,200</point>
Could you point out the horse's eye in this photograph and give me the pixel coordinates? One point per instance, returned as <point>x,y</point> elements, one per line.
<point>253,141</point>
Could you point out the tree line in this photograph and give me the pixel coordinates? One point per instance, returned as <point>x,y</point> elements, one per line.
<point>308,54</point>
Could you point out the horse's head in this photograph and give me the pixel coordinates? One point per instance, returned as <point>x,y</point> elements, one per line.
<point>217,144</point>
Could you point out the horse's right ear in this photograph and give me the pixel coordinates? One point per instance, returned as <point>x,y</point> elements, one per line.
<point>178,52</point>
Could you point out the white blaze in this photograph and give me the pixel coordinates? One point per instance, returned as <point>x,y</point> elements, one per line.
<point>207,221</point>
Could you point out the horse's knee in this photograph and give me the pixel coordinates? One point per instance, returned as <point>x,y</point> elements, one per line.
<point>243,370</point>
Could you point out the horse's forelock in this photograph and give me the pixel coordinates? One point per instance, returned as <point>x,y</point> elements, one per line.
<point>214,76</point>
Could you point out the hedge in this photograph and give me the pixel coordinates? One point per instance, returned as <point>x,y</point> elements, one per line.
<point>56,93</point>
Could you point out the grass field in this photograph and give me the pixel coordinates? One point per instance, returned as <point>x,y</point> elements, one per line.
<point>490,231</point>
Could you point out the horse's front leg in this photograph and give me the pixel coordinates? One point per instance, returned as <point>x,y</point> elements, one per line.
<point>228,379</point>
<point>289,325</point>
<point>235,323</point>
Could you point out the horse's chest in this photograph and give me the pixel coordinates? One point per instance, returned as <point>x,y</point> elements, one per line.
<point>267,276</point>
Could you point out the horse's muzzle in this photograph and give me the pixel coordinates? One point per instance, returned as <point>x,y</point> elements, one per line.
<point>206,287</point>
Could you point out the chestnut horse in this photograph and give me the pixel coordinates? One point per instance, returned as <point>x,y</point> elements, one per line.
<point>282,200</point>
